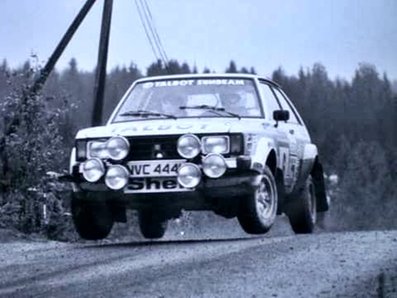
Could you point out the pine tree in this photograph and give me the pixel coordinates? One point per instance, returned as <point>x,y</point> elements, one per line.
<point>156,69</point>
<point>232,68</point>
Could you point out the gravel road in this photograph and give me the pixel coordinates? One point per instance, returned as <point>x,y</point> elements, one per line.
<point>354,264</point>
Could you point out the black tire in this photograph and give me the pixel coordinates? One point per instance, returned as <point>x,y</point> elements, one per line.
<point>92,220</point>
<point>301,211</point>
<point>258,210</point>
<point>152,224</point>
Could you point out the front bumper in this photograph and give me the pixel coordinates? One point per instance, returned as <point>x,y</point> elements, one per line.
<point>209,195</point>
<point>238,180</point>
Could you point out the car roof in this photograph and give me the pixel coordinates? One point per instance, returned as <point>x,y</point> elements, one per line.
<point>207,75</point>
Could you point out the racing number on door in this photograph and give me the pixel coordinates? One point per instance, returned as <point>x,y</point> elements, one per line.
<point>284,161</point>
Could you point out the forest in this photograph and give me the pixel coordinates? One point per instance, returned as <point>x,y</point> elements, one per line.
<point>353,123</point>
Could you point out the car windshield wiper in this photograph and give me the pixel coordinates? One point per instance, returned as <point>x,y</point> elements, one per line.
<point>144,113</point>
<point>210,108</point>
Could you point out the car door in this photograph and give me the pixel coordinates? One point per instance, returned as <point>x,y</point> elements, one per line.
<point>281,136</point>
<point>297,135</point>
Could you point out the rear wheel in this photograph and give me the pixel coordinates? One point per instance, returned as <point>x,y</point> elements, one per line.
<point>92,220</point>
<point>302,211</point>
<point>258,210</point>
<point>152,224</point>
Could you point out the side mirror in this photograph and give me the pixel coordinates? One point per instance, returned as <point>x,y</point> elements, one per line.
<point>281,115</point>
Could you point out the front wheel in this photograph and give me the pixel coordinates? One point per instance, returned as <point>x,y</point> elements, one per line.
<point>302,211</point>
<point>152,224</point>
<point>92,220</point>
<point>258,210</point>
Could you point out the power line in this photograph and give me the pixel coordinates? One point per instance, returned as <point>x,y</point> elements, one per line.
<point>146,30</point>
<point>151,32</point>
<point>154,30</point>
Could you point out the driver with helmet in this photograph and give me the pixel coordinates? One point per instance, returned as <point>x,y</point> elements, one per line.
<point>233,102</point>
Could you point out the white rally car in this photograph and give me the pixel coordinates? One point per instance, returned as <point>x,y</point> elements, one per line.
<point>230,143</point>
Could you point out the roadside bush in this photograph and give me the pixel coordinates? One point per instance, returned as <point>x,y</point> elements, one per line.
<point>31,145</point>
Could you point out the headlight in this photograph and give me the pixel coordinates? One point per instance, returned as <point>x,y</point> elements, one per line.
<point>188,146</point>
<point>97,149</point>
<point>93,170</point>
<point>116,177</point>
<point>216,144</point>
<point>189,175</point>
<point>115,148</point>
<point>214,165</point>
<point>118,148</point>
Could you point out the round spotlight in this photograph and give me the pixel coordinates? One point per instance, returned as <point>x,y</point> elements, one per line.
<point>189,175</point>
<point>93,170</point>
<point>188,146</point>
<point>116,177</point>
<point>214,165</point>
<point>118,148</point>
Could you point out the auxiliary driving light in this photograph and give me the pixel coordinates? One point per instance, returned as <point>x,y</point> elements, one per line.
<point>188,146</point>
<point>189,175</point>
<point>118,148</point>
<point>214,165</point>
<point>93,170</point>
<point>116,177</point>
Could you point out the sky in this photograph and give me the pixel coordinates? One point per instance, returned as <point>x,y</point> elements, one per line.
<point>264,34</point>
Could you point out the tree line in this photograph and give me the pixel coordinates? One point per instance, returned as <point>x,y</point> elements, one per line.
<point>351,121</point>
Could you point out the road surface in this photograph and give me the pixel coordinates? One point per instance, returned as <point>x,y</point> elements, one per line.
<point>349,264</point>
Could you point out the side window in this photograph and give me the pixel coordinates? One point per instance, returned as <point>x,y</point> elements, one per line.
<point>270,103</point>
<point>293,118</point>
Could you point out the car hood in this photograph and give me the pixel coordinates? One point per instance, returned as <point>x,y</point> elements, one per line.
<point>172,127</point>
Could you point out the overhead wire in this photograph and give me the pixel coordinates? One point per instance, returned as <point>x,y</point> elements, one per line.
<point>151,32</point>
<point>146,30</point>
<point>154,30</point>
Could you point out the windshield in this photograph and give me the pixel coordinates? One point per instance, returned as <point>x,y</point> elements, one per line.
<point>184,98</point>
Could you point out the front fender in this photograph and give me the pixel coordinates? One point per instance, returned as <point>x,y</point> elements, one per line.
<point>261,153</point>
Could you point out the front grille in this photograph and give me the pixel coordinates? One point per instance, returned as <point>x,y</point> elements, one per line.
<point>145,148</point>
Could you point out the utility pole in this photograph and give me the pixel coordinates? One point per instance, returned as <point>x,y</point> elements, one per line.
<point>11,124</point>
<point>38,84</point>
<point>100,79</point>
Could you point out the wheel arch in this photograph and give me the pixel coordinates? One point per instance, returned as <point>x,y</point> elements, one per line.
<point>264,155</point>
<point>271,161</point>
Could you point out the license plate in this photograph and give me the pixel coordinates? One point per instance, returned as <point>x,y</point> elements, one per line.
<point>155,168</point>
<point>154,185</point>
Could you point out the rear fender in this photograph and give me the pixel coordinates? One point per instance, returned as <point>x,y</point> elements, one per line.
<point>309,156</point>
